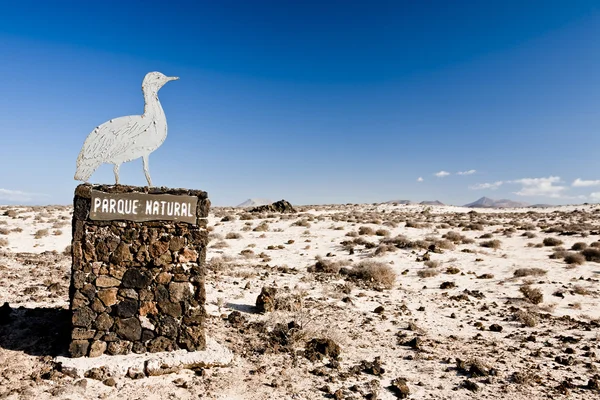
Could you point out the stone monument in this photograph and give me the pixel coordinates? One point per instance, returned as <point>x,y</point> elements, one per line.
<point>137,282</point>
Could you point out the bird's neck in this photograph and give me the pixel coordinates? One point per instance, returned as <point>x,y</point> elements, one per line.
<point>152,107</point>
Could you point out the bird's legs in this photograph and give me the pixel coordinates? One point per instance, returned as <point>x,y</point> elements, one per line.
<point>146,170</point>
<point>116,171</point>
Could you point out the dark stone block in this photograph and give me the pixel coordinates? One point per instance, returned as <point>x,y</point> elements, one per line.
<point>79,348</point>
<point>104,322</point>
<point>83,317</point>
<point>129,328</point>
<point>127,308</point>
<point>168,327</point>
<point>134,278</point>
<point>121,254</point>
<point>147,335</point>
<point>161,343</point>
<point>170,308</point>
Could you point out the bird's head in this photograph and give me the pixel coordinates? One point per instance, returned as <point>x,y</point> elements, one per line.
<point>155,80</point>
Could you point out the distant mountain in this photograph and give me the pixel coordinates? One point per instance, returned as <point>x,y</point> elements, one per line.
<point>399,202</point>
<point>255,203</point>
<point>486,202</point>
<point>432,203</point>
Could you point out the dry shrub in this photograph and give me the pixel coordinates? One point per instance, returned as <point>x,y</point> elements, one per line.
<point>366,230</point>
<point>427,272</point>
<point>591,254</point>
<point>247,253</point>
<point>444,244</point>
<point>399,241</point>
<point>41,233</point>
<point>521,272</point>
<point>382,232</point>
<point>233,235</point>
<point>595,244</point>
<point>486,236</point>
<point>580,290</point>
<point>579,246</point>
<point>263,227</point>
<point>575,259</point>
<point>559,254</point>
<point>452,270</point>
<point>552,242</point>
<point>328,266</point>
<point>531,294</point>
<point>220,245</point>
<point>432,263</point>
<point>57,232</point>
<point>492,244</point>
<point>4,231</point>
<point>3,242</point>
<point>383,249</point>
<point>527,318</point>
<point>352,234</point>
<point>302,222</point>
<point>454,237</point>
<point>374,274</point>
<point>529,235</point>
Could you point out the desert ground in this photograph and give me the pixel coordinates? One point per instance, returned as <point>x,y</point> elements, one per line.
<point>370,301</point>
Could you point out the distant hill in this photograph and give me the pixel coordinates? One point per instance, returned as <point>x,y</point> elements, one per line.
<point>399,202</point>
<point>432,203</point>
<point>486,202</point>
<point>255,203</point>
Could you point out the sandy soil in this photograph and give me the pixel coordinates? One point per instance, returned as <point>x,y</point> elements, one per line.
<point>450,317</point>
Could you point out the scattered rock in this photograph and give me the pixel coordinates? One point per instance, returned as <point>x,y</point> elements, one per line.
<point>281,206</point>
<point>236,319</point>
<point>400,388</point>
<point>317,349</point>
<point>447,285</point>
<point>265,302</point>
<point>495,328</point>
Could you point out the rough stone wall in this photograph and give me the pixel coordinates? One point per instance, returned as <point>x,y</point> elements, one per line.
<point>137,286</point>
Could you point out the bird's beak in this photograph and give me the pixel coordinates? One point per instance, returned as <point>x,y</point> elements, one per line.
<point>173,78</point>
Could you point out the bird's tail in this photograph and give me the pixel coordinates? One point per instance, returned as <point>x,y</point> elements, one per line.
<point>85,169</point>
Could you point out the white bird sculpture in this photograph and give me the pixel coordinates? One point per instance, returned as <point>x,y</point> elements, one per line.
<point>127,138</point>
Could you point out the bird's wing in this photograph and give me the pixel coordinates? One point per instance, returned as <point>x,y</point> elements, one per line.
<point>113,139</point>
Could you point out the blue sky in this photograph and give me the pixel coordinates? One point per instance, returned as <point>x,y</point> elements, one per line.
<point>314,102</point>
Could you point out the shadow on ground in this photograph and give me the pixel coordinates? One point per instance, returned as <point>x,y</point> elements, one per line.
<point>35,331</point>
<point>245,308</point>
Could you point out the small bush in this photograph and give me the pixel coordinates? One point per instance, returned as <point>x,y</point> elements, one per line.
<point>579,246</point>
<point>552,242</point>
<point>529,235</point>
<point>366,230</point>
<point>263,227</point>
<point>374,273</point>
<point>574,259</point>
<point>521,272</point>
<point>454,237</point>
<point>327,266</point>
<point>492,244</point>
<point>486,236</point>
<point>533,295</point>
<point>41,233</point>
<point>432,263</point>
<point>591,254</point>
<point>427,272</point>
<point>3,242</point>
<point>233,235</point>
<point>220,245</point>
<point>382,232</point>
<point>527,318</point>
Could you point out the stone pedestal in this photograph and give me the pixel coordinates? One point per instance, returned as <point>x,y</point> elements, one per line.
<point>137,285</point>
